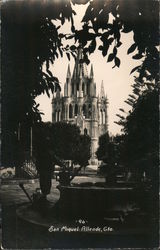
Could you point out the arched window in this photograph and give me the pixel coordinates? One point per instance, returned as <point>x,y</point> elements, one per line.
<point>101,114</point>
<point>88,89</point>
<point>100,117</point>
<point>73,88</point>
<point>89,110</point>
<point>84,109</point>
<point>70,110</point>
<point>77,86</point>
<point>83,86</point>
<point>56,115</point>
<point>64,112</point>
<point>59,115</point>
<point>104,118</point>
<point>76,110</point>
<point>85,131</point>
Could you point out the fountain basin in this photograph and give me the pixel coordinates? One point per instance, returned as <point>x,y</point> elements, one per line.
<point>90,200</point>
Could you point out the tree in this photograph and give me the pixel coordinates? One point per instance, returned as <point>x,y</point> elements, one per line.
<point>109,149</point>
<point>140,140</point>
<point>82,151</point>
<point>142,127</point>
<point>139,17</point>
<point>102,150</point>
<point>31,39</point>
<point>65,140</point>
<point>55,143</point>
<point>140,146</point>
<point>69,144</point>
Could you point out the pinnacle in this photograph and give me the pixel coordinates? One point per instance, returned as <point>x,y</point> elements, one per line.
<point>102,93</point>
<point>91,72</point>
<point>68,72</point>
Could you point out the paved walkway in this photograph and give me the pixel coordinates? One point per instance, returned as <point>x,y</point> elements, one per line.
<point>11,193</point>
<point>19,235</point>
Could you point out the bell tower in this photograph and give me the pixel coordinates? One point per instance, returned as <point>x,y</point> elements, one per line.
<point>80,104</point>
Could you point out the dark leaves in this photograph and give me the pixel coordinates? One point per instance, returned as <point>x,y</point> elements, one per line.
<point>110,57</point>
<point>79,1</point>
<point>122,110</point>
<point>68,56</point>
<point>132,48</point>
<point>60,51</point>
<point>115,51</point>
<point>134,69</point>
<point>137,56</point>
<point>92,46</point>
<point>127,27</point>
<point>119,44</point>
<point>120,116</point>
<point>73,47</point>
<point>117,61</point>
<point>100,47</point>
<point>105,50</point>
<point>110,40</point>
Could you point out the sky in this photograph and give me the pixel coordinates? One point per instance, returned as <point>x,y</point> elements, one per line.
<point>117,81</point>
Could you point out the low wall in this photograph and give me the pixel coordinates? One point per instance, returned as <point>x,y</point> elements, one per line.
<point>89,200</point>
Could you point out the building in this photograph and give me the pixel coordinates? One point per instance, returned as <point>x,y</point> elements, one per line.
<point>80,104</point>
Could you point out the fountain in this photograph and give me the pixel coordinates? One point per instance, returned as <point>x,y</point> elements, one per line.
<point>97,203</point>
<point>90,200</point>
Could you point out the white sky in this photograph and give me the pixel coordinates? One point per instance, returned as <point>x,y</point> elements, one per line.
<point>117,81</point>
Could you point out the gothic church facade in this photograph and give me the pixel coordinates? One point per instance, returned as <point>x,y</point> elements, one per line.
<point>80,104</point>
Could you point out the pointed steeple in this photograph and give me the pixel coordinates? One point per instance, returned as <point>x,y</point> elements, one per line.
<point>68,72</point>
<point>102,93</point>
<point>67,86</point>
<point>79,64</point>
<point>91,72</point>
<point>58,93</point>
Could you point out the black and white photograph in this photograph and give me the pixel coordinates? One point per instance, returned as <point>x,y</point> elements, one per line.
<point>79,165</point>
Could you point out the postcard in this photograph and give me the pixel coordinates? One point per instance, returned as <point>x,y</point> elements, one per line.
<point>79,124</point>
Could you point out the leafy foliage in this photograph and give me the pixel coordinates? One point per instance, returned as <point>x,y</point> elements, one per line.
<point>103,147</point>
<point>109,149</point>
<point>61,141</point>
<point>30,39</point>
<point>141,129</point>
<point>139,17</point>
<point>139,147</point>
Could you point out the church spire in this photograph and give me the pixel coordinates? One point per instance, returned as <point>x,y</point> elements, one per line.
<point>102,93</point>
<point>68,72</point>
<point>79,65</point>
<point>58,93</point>
<point>91,72</point>
<point>67,86</point>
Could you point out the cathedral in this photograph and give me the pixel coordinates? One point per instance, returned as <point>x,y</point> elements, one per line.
<point>81,105</point>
